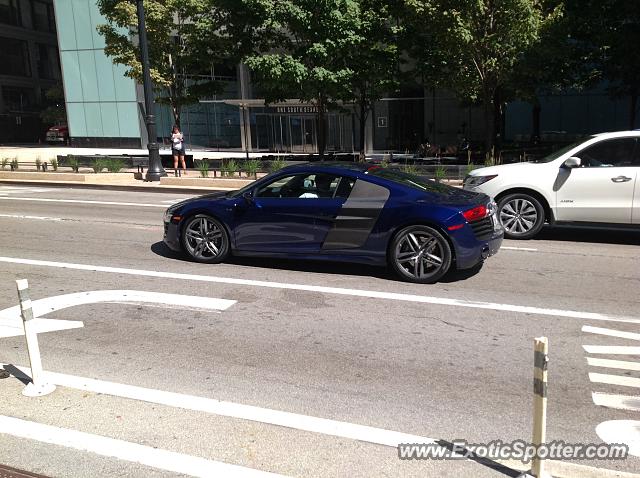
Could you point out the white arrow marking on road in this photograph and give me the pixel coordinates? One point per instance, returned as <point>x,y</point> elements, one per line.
<point>620,402</point>
<point>371,294</point>
<point>128,451</point>
<point>611,349</point>
<point>621,364</point>
<point>615,380</point>
<point>611,332</point>
<point>621,431</point>
<point>11,323</point>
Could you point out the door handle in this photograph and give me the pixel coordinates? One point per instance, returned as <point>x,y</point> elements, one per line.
<point>620,179</point>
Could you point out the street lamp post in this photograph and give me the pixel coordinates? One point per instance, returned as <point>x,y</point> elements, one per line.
<point>155,169</point>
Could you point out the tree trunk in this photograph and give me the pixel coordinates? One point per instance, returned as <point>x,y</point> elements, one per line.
<point>498,113</point>
<point>489,121</point>
<point>634,108</point>
<point>363,125</point>
<point>322,140</point>
<point>535,120</point>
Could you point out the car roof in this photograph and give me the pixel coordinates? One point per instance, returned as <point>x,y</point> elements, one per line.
<point>348,166</point>
<point>618,134</point>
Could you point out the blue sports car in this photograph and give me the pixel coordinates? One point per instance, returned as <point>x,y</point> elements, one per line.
<point>341,212</point>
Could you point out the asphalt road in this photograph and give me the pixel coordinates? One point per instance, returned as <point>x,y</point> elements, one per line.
<point>342,342</point>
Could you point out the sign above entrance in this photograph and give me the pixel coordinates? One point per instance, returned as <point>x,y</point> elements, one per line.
<point>296,109</point>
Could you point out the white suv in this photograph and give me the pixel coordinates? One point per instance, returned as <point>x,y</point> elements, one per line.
<point>594,182</point>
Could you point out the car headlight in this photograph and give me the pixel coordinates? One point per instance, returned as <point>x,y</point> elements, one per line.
<point>167,215</point>
<point>475,181</point>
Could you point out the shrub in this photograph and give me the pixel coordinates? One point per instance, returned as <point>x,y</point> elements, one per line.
<point>410,168</point>
<point>114,165</point>
<point>38,163</point>
<point>441,173</point>
<point>229,167</point>
<point>14,164</point>
<point>54,164</point>
<point>203,167</point>
<point>4,163</point>
<point>470,167</point>
<point>251,167</point>
<point>73,162</point>
<point>98,165</point>
<point>276,164</point>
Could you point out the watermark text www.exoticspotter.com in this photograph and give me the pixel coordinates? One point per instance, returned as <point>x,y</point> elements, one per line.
<point>515,450</point>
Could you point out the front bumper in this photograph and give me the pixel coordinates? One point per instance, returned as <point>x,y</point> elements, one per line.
<point>171,236</point>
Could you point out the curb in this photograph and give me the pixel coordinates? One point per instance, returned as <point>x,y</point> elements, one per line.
<point>116,187</point>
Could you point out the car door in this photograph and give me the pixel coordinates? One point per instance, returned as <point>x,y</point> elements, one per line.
<point>291,214</point>
<point>602,188</point>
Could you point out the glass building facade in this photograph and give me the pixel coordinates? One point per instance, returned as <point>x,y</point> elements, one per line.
<point>102,103</point>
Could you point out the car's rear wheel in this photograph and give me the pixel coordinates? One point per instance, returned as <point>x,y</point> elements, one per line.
<point>521,215</point>
<point>205,239</point>
<point>420,254</point>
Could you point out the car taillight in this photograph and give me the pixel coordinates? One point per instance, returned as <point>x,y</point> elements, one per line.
<point>476,213</point>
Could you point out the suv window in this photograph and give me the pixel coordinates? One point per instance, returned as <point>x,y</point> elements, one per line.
<point>609,153</point>
<point>307,186</point>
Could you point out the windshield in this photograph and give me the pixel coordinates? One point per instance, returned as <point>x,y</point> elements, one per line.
<point>556,154</point>
<point>416,182</point>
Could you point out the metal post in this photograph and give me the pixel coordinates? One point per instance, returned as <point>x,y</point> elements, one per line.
<point>155,170</point>
<point>38,386</point>
<point>540,359</point>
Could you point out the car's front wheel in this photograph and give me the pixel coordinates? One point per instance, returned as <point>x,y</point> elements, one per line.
<point>521,215</point>
<point>205,239</point>
<point>420,254</point>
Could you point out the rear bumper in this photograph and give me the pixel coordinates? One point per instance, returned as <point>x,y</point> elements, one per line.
<point>469,258</point>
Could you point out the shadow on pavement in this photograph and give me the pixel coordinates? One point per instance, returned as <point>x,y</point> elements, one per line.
<point>319,266</point>
<point>583,234</point>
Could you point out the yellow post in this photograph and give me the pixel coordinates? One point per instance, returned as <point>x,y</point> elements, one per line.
<point>540,360</point>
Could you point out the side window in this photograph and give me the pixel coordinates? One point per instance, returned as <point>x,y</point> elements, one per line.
<point>307,186</point>
<point>614,152</point>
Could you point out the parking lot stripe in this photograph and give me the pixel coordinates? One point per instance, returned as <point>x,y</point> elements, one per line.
<point>124,450</point>
<point>611,332</point>
<point>620,364</point>
<point>527,249</point>
<point>615,380</point>
<point>619,402</point>
<point>82,201</point>
<point>294,421</point>
<point>611,349</point>
<point>371,294</point>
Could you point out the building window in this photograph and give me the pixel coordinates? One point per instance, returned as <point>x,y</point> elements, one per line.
<point>18,100</point>
<point>43,16</point>
<point>48,62</point>
<point>14,57</point>
<point>10,12</point>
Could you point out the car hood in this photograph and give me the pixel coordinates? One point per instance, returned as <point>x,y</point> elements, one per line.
<point>516,168</point>
<point>211,196</point>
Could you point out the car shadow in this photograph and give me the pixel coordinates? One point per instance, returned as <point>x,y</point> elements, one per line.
<point>583,234</point>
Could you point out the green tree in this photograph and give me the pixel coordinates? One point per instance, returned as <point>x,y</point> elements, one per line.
<point>300,50</point>
<point>183,46</point>
<point>55,111</point>
<point>373,58</point>
<point>476,46</point>
<point>610,31</point>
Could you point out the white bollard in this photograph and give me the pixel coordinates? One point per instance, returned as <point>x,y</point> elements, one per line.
<point>540,360</point>
<point>38,386</point>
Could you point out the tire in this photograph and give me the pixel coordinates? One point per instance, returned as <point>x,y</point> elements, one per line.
<point>420,254</point>
<point>521,215</point>
<point>205,239</point>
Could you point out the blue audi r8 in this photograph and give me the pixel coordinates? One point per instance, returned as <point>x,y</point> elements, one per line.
<point>341,212</point>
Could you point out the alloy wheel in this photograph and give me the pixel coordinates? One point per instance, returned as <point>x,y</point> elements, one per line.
<point>519,216</point>
<point>420,255</point>
<point>204,239</point>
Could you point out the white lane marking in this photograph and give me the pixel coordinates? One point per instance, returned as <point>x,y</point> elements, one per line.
<point>124,450</point>
<point>611,332</point>
<point>372,294</point>
<point>619,402</point>
<point>620,364</point>
<point>611,349</point>
<point>615,380</point>
<point>11,322</point>
<point>82,201</point>
<point>527,249</point>
<point>621,431</point>
<point>295,421</point>
<point>43,218</point>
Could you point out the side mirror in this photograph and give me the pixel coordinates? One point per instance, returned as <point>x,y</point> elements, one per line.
<point>572,162</point>
<point>248,197</point>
